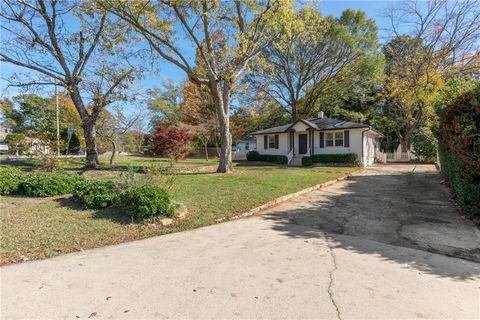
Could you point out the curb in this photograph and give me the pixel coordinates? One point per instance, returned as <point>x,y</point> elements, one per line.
<point>275,202</point>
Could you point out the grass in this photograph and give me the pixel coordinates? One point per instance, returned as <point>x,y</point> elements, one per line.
<point>120,162</point>
<point>40,228</point>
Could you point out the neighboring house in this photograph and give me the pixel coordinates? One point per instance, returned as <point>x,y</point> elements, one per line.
<point>36,146</point>
<point>245,144</point>
<point>320,135</point>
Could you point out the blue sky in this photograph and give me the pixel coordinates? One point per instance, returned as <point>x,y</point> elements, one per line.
<point>168,72</point>
<point>373,9</point>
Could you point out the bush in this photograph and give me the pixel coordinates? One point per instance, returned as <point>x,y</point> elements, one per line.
<point>273,158</point>
<point>425,146</point>
<point>146,202</point>
<point>307,161</point>
<point>46,184</point>
<point>96,194</point>
<point>335,158</point>
<point>10,180</point>
<point>253,155</point>
<point>459,149</point>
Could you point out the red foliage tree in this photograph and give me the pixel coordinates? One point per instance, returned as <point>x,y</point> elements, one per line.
<point>171,142</point>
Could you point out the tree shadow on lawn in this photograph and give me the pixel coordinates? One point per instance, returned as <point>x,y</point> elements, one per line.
<point>114,214</point>
<point>384,214</point>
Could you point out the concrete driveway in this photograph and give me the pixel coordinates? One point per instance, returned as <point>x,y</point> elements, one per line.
<point>289,263</point>
<point>399,204</point>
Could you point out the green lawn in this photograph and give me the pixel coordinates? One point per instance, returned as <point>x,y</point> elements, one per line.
<point>39,228</point>
<point>120,162</point>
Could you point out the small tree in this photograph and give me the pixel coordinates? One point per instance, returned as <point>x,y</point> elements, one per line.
<point>112,126</point>
<point>171,142</point>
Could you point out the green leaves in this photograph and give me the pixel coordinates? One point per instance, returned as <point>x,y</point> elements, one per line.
<point>147,202</point>
<point>96,194</point>
<point>47,184</point>
<point>10,180</point>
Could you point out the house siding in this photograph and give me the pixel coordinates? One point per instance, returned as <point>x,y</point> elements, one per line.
<point>355,137</point>
<point>363,148</point>
<point>282,144</point>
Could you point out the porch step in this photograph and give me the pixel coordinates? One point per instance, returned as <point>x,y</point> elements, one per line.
<point>296,161</point>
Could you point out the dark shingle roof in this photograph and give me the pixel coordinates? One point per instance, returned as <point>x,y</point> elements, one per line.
<point>247,138</point>
<point>318,124</point>
<point>278,129</point>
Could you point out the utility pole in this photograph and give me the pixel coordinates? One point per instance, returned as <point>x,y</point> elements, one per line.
<point>58,121</point>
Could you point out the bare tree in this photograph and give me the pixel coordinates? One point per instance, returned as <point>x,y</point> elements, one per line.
<point>112,126</point>
<point>448,30</point>
<point>75,55</point>
<point>242,23</point>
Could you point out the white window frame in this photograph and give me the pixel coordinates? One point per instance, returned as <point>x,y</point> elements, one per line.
<point>334,139</point>
<point>271,142</point>
<point>247,146</point>
<point>342,139</point>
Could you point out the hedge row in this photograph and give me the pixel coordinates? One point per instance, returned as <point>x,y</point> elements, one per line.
<point>335,158</point>
<point>459,150</point>
<point>330,158</point>
<point>140,202</point>
<point>255,156</point>
<point>41,184</point>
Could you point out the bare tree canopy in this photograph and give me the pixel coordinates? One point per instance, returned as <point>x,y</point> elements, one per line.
<point>71,44</point>
<point>449,30</point>
<point>112,126</point>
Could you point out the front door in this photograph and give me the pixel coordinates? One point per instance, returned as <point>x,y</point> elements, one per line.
<point>302,143</point>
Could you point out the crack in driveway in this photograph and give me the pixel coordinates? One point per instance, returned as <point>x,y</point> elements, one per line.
<point>330,275</point>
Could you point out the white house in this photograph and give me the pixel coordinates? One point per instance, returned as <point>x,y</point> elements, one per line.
<point>245,144</point>
<point>320,135</point>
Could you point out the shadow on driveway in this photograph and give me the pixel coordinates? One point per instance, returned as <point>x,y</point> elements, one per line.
<point>399,205</point>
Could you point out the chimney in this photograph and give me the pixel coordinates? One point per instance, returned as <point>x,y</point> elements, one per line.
<point>320,114</point>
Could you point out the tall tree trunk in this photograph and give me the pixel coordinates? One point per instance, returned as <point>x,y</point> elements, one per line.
<point>221,95</point>
<point>225,164</point>
<point>88,124</point>
<point>206,150</point>
<point>114,147</point>
<point>294,112</point>
<point>90,145</point>
<point>405,144</point>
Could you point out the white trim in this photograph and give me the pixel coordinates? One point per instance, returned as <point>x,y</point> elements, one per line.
<point>334,140</point>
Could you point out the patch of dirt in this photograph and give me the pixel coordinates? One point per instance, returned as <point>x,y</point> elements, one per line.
<point>98,174</point>
<point>4,205</point>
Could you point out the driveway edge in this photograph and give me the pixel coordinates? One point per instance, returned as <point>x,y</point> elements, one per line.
<point>275,202</point>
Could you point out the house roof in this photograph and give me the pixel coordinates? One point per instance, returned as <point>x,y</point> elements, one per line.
<point>318,124</point>
<point>247,138</point>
